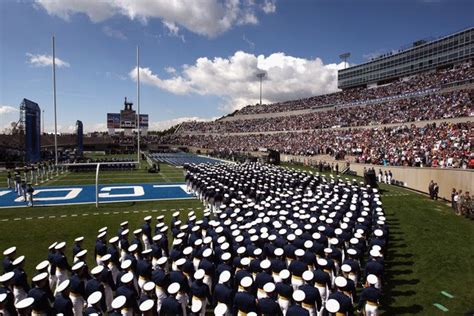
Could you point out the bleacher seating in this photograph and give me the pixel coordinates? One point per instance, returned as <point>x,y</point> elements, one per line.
<point>181,158</point>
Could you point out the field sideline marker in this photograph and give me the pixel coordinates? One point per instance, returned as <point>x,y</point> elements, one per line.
<point>447,294</point>
<point>440,307</point>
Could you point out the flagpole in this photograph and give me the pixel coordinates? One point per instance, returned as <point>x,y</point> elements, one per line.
<point>54,102</point>
<point>138,104</point>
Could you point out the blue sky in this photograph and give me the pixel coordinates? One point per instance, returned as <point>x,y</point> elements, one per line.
<point>198,57</point>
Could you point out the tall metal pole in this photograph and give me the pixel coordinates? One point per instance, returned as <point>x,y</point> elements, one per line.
<point>42,121</point>
<point>344,57</point>
<point>138,104</point>
<point>54,101</point>
<point>97,185</point>
<point>260,76</point>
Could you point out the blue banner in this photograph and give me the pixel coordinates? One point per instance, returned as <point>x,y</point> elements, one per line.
<point>32,114</point>
<point>80,138</point>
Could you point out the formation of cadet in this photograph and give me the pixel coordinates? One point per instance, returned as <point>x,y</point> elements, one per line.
<point>272,241</point>
<point>23,178</point>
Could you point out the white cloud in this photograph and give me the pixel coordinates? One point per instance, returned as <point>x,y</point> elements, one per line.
<point>174,85</point>
<point>8,115</point>
<point>70,127</point>
<point>248,17</point>
<point>38,60</point>
<point>7,109</point>
<point>246,40</point>
<point>173,30</point>
<point>170,70</point>
<point>269,6</point>
<point>233,79</point>
<point>111,32</point>
<point>205,17</point>
<point>163,125</point>
<point>97,127</point>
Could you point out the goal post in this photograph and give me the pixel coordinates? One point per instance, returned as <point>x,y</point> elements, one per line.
<point>97,172</point>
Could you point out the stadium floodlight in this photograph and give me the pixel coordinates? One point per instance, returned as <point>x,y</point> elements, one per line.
<point>261,75</point>
<point>344,57</point>
<point>138,105</point>
<point>54,103</point>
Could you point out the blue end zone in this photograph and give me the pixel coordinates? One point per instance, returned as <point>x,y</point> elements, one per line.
<point>86,194</point>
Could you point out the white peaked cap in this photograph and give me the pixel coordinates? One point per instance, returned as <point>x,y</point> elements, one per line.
<point>119,302</point>
<point>126,278</point>
<point>284,274</point>
<point>372,279</point>
<point>40,277</point>
<point>149,286</point>
<point>11,250</point>
<point>340,281</point>
<point>199,274</point>
<point>246,281</point>
<point>224,276</point>
<point>308,275</point>
<point>269,287</point>
<point>173,288</point>
<point>64,285</point>
<point>94,298</point>
<point>97,270</point>
<point>25,303</point>
<point>146,306</point>
<point>332,306</point>
<point>220,310</point>
<point>196,306</point>
<point>299,296</point>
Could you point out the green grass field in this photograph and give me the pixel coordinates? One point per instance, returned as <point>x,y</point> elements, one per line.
<point>430,248</point>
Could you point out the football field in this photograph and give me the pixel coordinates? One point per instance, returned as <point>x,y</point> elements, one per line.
<point>429,264</point>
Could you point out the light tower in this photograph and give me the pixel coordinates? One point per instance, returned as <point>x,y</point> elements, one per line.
<point>344,57</point>
<point>261,75</point>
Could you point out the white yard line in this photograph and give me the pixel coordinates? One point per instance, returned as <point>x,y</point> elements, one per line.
<point>98,214</point>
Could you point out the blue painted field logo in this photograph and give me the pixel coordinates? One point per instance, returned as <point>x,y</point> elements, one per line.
<point>86,194</point>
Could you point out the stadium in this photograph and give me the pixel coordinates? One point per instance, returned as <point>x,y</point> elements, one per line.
<point>358,201</point>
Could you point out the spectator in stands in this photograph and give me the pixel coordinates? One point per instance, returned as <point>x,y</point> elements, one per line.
<point>396,146</point>
<point>416,84</point>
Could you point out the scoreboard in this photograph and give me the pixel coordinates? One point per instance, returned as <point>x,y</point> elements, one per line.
<point>126,119</point>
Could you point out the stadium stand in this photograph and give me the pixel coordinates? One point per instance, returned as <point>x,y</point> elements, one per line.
<point>181,158</point>
<point>431,107</point>
<point>404,86</point>
<point>106,164</point>
<point>290,241</point>
<point>420,121</point>
<point>442,145</point>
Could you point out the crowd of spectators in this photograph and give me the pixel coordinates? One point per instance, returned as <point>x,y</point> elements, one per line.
<point>442,145</point>
<point>430,107</point>
<point>424,81</point>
